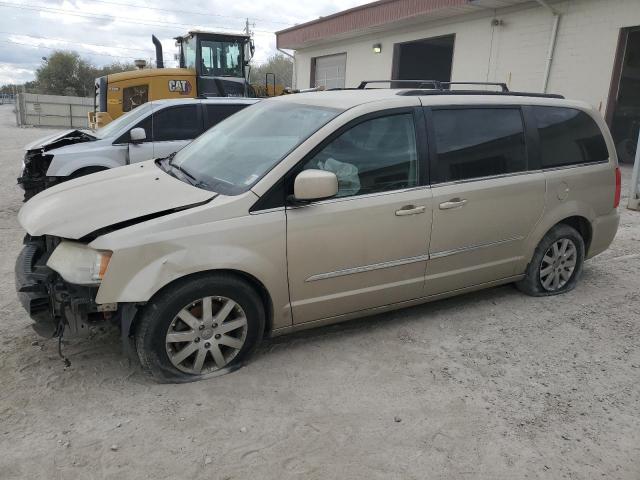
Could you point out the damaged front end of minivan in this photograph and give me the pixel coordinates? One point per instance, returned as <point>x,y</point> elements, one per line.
<point>52,302</point>
<point>37,159</point>
<point>59,272</point>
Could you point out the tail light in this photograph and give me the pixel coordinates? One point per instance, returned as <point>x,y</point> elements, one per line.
<point>616,198</point>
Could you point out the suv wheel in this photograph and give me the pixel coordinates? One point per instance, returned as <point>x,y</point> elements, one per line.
<point>204,327</point>
<point>556,264</point>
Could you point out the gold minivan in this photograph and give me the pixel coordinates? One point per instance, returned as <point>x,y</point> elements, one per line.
<point>315,208</point>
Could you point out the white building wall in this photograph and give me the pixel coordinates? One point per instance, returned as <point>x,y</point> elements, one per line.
<point>514,52</point>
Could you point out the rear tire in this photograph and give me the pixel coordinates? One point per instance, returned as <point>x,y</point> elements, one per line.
<point>177,341</point>
<point>556,265</point>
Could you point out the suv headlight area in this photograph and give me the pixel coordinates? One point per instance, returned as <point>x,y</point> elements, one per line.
<point>78,263</point>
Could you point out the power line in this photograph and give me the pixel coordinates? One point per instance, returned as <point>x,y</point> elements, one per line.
<point>53,48</point>
<point>146,51</point>
<point>156,23</point>
<point>189,12</point>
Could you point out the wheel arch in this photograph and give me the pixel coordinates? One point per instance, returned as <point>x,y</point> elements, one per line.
<point>88,170</point>
<point>66,165</point>
<point>582,225</point>
<point>256,284</point>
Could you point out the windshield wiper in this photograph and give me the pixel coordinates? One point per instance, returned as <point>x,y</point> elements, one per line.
<point>180,169</point>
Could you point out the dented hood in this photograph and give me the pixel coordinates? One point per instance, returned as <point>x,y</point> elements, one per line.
<point>79,207</point>
<point>60,139</point>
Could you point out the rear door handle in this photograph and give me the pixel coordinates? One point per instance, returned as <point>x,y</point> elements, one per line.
<point>453,203</point>
<point>410,210</point>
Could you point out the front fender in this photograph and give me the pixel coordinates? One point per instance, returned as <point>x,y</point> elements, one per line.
<point>160,267</point>
<point>65,164</point>
<point>151,255</point>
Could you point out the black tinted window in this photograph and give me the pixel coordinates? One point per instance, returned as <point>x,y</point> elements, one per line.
<point>478,142</point>
<point>133,97</point>
<point>217,113</point>
<point>374,156</point>
<point>568,137</point>
<point>176,123</point>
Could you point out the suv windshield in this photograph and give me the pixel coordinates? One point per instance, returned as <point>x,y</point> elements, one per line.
<point>129,118</point>
<point>233,155</point>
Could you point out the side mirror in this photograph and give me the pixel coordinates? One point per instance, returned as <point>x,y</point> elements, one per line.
<point>137,135</point>
<point>312,185</point>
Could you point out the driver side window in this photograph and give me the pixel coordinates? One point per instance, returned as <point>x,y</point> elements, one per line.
<point>374,156</point>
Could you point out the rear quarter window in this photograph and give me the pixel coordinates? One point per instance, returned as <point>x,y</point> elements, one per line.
<point>568,137</point>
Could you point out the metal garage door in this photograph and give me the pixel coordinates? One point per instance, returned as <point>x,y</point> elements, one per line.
<point>329,71</point>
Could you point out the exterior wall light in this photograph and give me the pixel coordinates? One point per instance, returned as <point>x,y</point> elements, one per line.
<point>377,47</point>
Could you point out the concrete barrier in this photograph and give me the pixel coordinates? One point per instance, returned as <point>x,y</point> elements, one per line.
<point>52,110</point>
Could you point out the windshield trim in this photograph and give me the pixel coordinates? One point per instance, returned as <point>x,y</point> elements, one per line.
<point>241,189</point>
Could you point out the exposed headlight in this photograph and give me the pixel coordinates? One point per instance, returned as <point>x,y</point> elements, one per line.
<point>77,263</point>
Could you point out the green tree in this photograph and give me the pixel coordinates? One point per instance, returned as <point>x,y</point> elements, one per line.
<point>66,73</point>
<point>279,64</point>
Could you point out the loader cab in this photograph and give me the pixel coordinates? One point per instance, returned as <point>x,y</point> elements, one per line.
<point>220,61</point>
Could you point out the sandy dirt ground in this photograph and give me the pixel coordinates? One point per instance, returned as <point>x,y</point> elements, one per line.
<point>490,385</point>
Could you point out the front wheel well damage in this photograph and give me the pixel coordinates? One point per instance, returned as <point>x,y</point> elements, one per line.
<point>256,284</point>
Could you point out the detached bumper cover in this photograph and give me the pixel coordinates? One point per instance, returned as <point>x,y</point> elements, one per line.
<point>46,297</point>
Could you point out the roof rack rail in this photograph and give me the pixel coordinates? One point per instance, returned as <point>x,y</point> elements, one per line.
<point>437,87</point>
<point>434,84</point>
<point>503,86</point>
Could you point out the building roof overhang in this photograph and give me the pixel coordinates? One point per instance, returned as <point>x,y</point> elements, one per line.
<point>379,16</point>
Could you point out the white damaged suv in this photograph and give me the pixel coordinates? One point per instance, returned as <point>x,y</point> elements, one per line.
<point>153,130</point>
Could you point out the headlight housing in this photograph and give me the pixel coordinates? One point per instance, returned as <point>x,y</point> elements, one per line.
<point>78,263</point>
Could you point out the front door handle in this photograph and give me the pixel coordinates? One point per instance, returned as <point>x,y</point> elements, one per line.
<point>410,210</point>
<point>453,203</point>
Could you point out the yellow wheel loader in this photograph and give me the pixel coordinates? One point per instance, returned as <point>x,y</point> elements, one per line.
<point>211,65</point>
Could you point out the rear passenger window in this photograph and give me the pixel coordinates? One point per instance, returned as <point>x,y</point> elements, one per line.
<point>478,142</point>
<point>568,137</point>
<point>374,156</point>
<point>176,123</point>
<point>216,113</point>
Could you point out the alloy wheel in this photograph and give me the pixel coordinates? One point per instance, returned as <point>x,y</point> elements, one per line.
<point>206,335</point>
<point>558,264</point>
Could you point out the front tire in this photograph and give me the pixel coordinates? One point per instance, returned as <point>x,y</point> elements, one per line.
<point>202,327</point>
<point>556,265</point>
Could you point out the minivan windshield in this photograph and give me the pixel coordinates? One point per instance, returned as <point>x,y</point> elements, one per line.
<point>129,118</point>
<point>233,155</point>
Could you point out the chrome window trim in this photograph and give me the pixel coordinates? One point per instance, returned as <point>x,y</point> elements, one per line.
<point>482,179</point>
<point>268,210</point>
<point>367,268</point>
<point>469,248</point>
<point>357,197</point>
<point>576,165</point>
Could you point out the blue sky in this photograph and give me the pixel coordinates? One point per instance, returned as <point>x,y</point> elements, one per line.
<point>104,31</point>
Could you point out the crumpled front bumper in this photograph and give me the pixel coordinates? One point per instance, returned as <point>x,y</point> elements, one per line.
<point>34,177</point>
<point>47,298</point>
